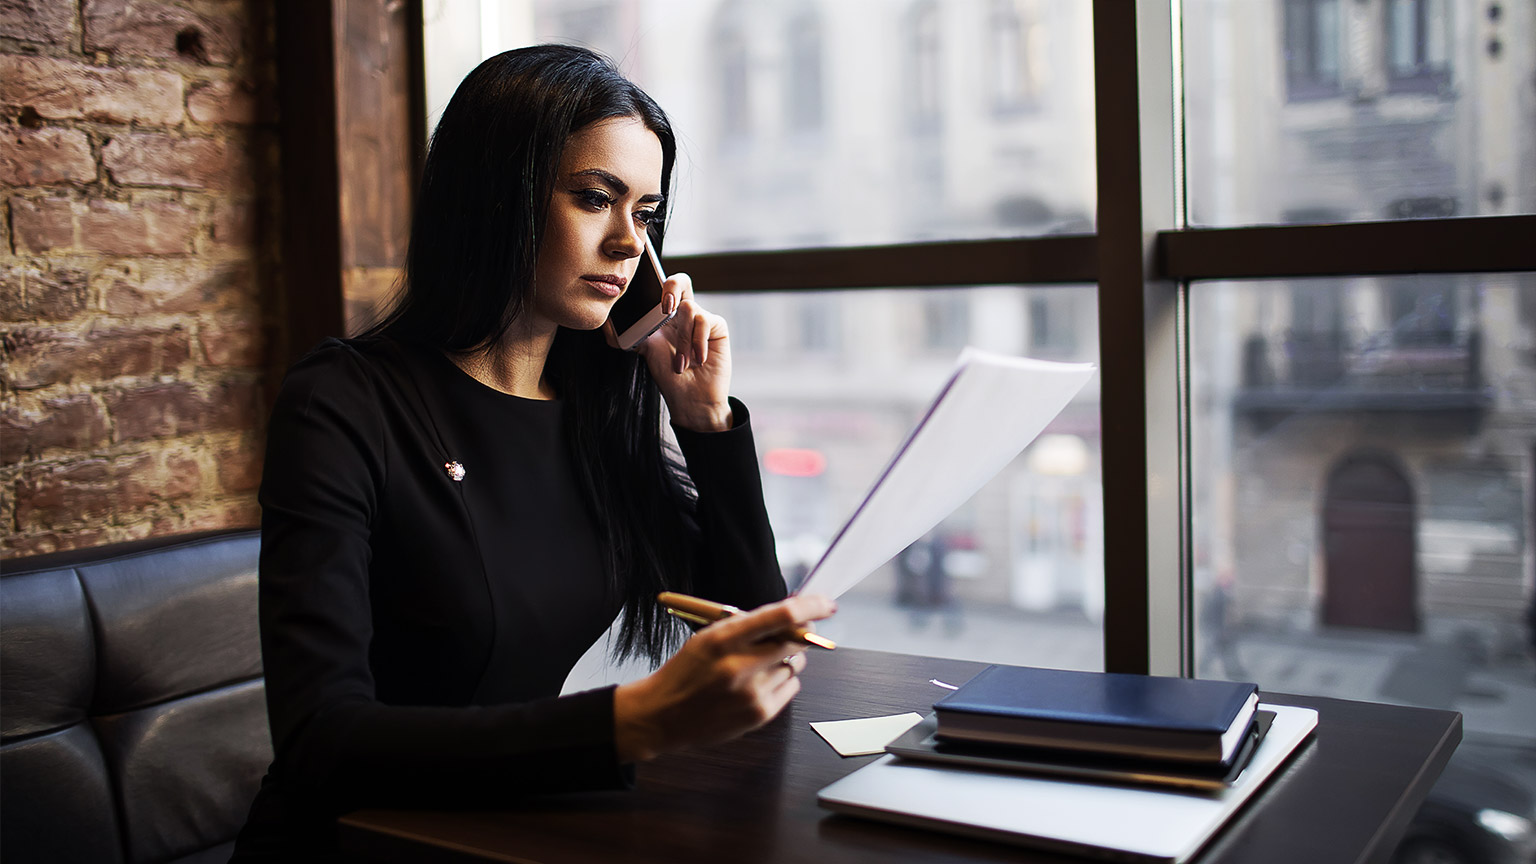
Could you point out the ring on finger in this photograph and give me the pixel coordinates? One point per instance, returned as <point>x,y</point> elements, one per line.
<point>789,663</point>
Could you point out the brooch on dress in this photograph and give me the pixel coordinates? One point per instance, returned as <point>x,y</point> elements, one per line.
<point>455,471</point>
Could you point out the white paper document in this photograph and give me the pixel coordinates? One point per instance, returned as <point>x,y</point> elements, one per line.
<point>984,415</point>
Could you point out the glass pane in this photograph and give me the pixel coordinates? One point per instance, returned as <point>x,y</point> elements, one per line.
<point>1363,479</point>
<point>1315,111</point>
<point>835,122</point>
<point>835,380</point>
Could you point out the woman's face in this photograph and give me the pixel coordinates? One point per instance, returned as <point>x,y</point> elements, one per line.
<point>607,191</point>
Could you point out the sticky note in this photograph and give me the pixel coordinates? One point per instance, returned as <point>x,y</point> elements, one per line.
<point>866,735</point>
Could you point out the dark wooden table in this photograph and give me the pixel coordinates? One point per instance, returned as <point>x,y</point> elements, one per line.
<point>1346,796</point>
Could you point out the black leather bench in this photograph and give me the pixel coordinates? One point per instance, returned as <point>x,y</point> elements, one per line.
<point>132,717</point>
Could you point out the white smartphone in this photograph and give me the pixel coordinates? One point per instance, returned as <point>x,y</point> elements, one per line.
<point>638,312</point>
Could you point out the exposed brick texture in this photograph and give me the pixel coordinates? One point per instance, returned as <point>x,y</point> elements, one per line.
<point>136,165</point>
<point>41,293</point>
<point>174,286</point>
<point>64,423</point>
<point>234,222</point>
<point>41,357</point>
<point>37,157</point>
<point>62,225</point>
<point>94,490</point>
<point>60,89</point>
<point>50,22</point>
<point>232,342</point>
<point>158,159</point>
<point>133,28</point>
<point>238,465</point>
<point>222,102</point>
<point>181,408</point>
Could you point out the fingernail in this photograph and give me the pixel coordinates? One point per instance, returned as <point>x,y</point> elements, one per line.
<point>671,304</point>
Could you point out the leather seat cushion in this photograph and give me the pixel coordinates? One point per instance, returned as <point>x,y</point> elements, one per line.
<point>48,653</point>
<point>175,622</point>
<point>187,770</point>
<point>70,816</point>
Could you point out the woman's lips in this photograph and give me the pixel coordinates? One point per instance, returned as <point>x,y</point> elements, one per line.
<point>608,286</point>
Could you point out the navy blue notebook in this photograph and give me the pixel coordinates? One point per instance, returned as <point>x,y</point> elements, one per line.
<point>1147,716</point>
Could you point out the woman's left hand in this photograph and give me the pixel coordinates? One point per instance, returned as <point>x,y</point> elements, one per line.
<point>690,359</point>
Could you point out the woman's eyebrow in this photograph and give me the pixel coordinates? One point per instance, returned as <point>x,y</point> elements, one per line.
<point>617,185</point>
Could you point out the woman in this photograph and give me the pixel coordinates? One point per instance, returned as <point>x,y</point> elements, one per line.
<point>456,505</point>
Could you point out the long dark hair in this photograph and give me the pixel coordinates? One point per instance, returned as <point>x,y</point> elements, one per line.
<point>475,237</point>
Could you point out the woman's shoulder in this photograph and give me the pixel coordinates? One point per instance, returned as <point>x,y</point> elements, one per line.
<point>345,370</point>
<point>347,357</point>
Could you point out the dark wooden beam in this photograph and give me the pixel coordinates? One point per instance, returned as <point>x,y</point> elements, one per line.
<point>352,103</point>
<point>1013,261</point>
<point>310,181</point>
<point>1483,244</point>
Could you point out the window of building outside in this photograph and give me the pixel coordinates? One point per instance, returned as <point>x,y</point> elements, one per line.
<point>1311,48</point>
<point>1017,40</point>
<point>925,110</point>
<point>1418,41</point>
<point>802,105</point>
<point>734,97</point>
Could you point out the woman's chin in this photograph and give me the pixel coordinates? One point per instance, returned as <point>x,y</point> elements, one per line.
<point>585,319</point>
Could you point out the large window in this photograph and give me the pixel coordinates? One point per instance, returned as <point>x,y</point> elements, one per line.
<point>1311,446</point>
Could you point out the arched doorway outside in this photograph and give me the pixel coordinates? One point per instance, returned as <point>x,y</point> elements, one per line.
<point>1370,575</point>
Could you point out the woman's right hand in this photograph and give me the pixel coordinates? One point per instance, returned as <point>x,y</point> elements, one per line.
<point>729,678</point>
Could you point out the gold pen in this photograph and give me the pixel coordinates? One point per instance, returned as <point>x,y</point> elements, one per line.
<point>702,612</point>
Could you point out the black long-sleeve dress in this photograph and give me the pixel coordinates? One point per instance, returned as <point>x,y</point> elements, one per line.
<point>416,628</point>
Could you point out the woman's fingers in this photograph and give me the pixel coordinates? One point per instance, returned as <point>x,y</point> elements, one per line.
<point>679,285</point>
<point>701,328</point>
<point>735,675</point>
<point>739,633</point>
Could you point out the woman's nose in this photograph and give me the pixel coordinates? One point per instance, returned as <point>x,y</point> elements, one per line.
<point>627,241</point>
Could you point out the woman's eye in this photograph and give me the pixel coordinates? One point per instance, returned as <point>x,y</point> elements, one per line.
<point>647,217</point>
<point>595,199</point>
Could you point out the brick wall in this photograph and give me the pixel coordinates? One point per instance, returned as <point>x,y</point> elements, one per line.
<point>137,159</point>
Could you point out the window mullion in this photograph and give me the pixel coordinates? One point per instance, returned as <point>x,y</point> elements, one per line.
<point>1146,616</point>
